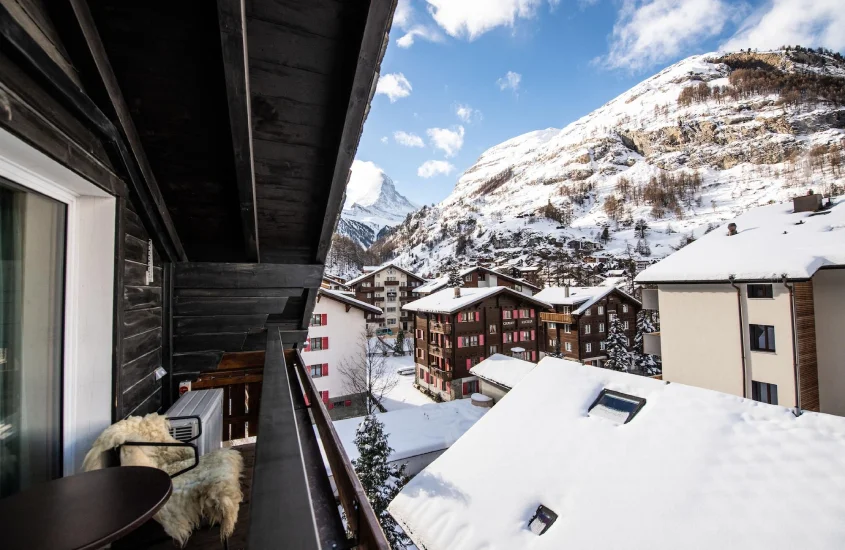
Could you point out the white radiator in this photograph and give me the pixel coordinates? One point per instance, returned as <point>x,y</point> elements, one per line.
<point>206,404</point>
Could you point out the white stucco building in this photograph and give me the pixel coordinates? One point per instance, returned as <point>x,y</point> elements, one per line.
<point>338,331</point>
<point>757,311</point>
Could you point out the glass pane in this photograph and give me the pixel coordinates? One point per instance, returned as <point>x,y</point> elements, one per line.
<point>32,242</point>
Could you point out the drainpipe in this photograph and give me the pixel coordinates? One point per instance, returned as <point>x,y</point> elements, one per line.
<point>794,338</point>
<point>732,279</point>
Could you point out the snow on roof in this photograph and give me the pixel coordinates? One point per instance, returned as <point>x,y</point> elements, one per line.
<point>433,285</point>
<point>440,282</point>
<point>417,430</point>
<point>586,296</point>
<point>694,469</point>
<point>615,273</point>
<point>772,242</point>
<point>345,298</point>
<point>371,269</point>
<point>444,301</point>
<point>502,370</point>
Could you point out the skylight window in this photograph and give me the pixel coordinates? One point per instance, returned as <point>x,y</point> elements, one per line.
<point>617,407</point>
<point>542,520</point>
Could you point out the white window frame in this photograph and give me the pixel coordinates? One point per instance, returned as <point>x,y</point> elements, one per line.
<point>568,347</point>
<point>588,347</point>
<point>601,310</point>
<point>624,308</point>
<point>601,327</point>
<point>88,293</point>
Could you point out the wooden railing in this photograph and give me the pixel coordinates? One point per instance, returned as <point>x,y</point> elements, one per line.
<point>435,350</point>
<point>391,283</point>
<point>565,318</point>
<point>444,373</point>
<point>443,328</point>
<point>242,385</point>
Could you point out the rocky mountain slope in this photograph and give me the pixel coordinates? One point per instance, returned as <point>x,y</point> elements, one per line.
<point>372,204</point>
<point>672,158</point>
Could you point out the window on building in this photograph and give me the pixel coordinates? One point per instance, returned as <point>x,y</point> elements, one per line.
<point>766,393</point>
<point>391,310</point>
<point>468,278</point>
<point>467,341</point>
<point>369,294</point>
<point>470,387</point>
<point>760,291</point>
<point>553,343</point>
<point>507,337</point>
<point>602,345</point>
<point>601,327</point>
<point>319,370</point>
<point>507,314</point>
<point>391,321</point>
<point>517,288</point>
<point>482,276</point>
<point>317,320</point>
<point>568,346</point>
<point>624,308</point>
<point>626,325</point>
<point>762,337</point>
<point>567,328</point>
<point>619,408</point>
<point>588,347</point>
<point>525,335</point>
<point>566,310</point>
<point>587,329</point>
<point>552,326</point>
<point>588,312</point>
<point>366,285</point>
<point>525,313</point>
<point>494,350</point>
<point>601,310</point>
<point>492,329</point>
<point>466,316</point>
<point>317,344</point>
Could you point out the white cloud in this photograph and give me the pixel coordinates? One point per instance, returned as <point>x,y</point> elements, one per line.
<point>448,141</point>
<point>408,140</point>
<point>403,13</point>
<point>510,81</point>
<point>393,85</point>
<point>384,139</point>
<point>472,18</point>
<point>431,168</point>
<point>648,32</point>
<point>418,31</point>
<point>808,23</point>
<point>467,113</point>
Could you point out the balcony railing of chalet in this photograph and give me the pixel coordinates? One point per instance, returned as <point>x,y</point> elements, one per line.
<point>292,504</point>
<point>442,328</point>
<point>443,373</point>
<point>391,283</point>
<point>439,351</point>
<point>565,318</point>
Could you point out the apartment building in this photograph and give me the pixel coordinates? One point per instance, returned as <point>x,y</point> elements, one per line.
<point>388,287</point>
<point>581,319</point>
<point>480,277</point>
<point>337,332</point>
<point>457,328</point>
<point>756,308</point>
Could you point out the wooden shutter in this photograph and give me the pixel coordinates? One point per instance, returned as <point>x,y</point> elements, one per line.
<point>325,342</point>
<point>481,340</point>
<point>533,337</point>
<point>325,369</point>
<point>325,319</point>
<point>532,313</point>
<point>460,341</point>
<point>533,355</point>
<point>465,388</point>
<point>325,396</point>
<point>469,363</point>
<point>477,315</point>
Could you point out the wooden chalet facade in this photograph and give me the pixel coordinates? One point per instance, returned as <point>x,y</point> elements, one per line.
<point>186,163</point>
<point>578,326</point>
<point>449,340</point>
<point>482,277</point>
<point>388,287</point>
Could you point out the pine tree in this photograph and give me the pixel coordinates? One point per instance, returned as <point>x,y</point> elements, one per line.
<point>455,279</point>
<point>605,235</point>
<point>617,352</point>
<point>381,481</point>
<point>399,346</point>
<point>648,365</point>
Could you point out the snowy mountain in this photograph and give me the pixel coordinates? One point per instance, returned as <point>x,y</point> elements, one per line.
<point>677,155</point>
<point>372,204</point>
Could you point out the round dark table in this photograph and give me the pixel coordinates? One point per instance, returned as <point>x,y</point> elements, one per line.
<point>87,510</point>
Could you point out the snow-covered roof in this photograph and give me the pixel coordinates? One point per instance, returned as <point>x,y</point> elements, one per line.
<point>502,370</point>
<point>772,241</point>
<point>345,298</point>
<point>582,296</point>
<point>417,430</point>
<point>370,270</point>
<point>694,469</point>
<point>444,301</point>
<point>440,282</point>
<point>431,286</point>
<point>615,273</point>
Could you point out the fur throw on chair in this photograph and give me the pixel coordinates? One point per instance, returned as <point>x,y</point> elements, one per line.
<point>211,491</point>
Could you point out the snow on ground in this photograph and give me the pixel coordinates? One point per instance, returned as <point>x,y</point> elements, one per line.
<point>694,469</point>
<point>419,430</point>
<point>404,395</point>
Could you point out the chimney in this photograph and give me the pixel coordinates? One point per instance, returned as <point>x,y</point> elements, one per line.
<point>566,291</point>
<point>731,229</point>
<point>457,292</point>
<point>808,203</point>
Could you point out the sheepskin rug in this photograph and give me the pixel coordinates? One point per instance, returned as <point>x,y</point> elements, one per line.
<point>211,491</point>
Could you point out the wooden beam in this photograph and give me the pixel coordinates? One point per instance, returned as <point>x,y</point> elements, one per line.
<point>225,275</point>
<point>232,19</point>
<point>151,202</point>
<point>372,50</point>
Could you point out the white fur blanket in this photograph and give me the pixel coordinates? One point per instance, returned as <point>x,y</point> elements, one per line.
<point>211,491</point>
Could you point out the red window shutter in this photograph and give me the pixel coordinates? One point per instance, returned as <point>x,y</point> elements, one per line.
<point>532,313</point>
<point>325,369</point>
<point>325,319</point>
<point>477,315</point>
<point>331,406</point>
<point>347,403</point>
<point>325,342</point>
<point>325,396</point>
<point>465,388</point>
<point>469,363</point>
<point>307,346</point>
<point>481,340</point>
<point>533,355</point>
<point>460,341</point>
<point>533,337</point>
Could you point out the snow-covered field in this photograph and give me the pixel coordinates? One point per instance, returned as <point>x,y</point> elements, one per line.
<point>404,395</point>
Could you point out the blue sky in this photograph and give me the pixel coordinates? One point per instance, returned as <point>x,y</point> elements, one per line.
<point>460,76</point>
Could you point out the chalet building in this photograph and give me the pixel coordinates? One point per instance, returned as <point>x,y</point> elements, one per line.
<point>481,277</point>
<point>581,318</point>
<point>171,174</point>
<point>457,328</point>
<point>756,308</point>
<point>388,287</point>
<point>337,332</point>
<point>498,374</point>
<point>334,283</point>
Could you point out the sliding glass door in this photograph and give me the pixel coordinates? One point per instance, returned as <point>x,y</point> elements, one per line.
<point>32,260</point>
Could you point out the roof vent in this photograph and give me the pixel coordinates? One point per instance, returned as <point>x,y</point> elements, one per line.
<point>457,292</point>
<point>566,291</point>
<point>732,229</point>
<point>808,203</point>
<point>542,520</point>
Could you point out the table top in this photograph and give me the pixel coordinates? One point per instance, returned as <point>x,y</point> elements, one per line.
<point>87,510</point>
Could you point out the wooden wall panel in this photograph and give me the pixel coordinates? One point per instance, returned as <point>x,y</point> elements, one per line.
<point>805,333</point>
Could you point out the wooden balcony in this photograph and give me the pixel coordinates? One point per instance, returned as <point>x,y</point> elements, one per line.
<point>391,283</point>
<point>442,373</point>
<point>441,328</point>
<point>438,351</point>
<point>565,318</point>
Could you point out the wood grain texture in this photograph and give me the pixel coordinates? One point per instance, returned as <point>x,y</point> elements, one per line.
<point>805,332</point>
